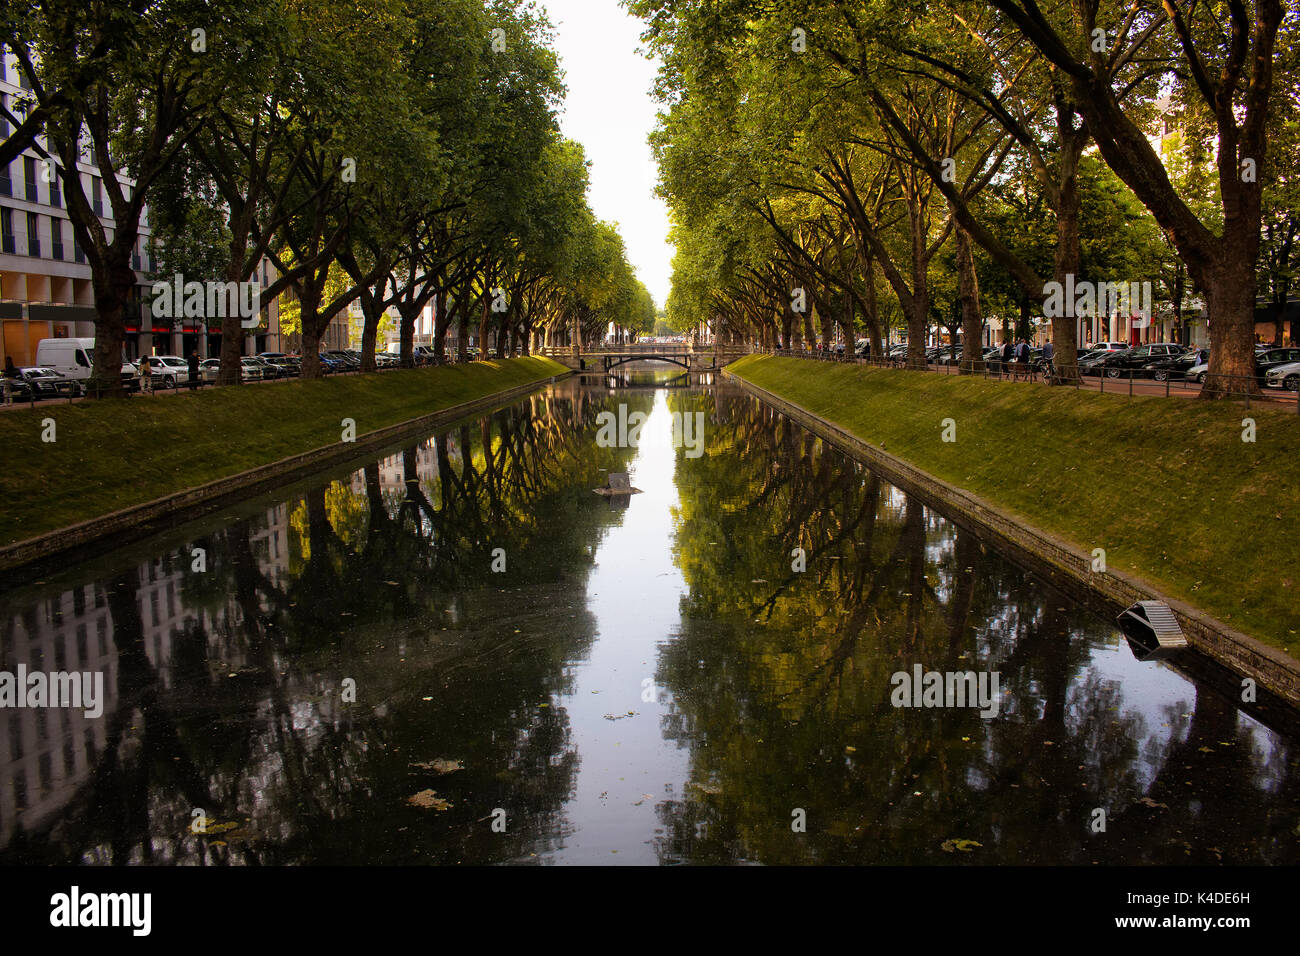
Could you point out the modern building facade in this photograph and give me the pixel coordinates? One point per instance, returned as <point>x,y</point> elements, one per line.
<point>45,280</point>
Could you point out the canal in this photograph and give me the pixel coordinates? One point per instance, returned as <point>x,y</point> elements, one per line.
<point>457,652</point>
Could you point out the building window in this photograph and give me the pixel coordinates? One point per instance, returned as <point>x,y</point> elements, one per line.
<point>97,193</point>
<point>56,238</point>
<point>33,234</point>
<point>4,104</point>
<point>7,231</point>
<point>56,188</point>
<point>29,179</point>
<point>77,254</point>
<point>6,185</point>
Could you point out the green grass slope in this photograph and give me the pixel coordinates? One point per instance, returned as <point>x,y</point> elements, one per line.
<point>110,455</point>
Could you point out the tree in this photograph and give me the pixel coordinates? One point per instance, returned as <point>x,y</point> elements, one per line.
<point>129,109</point>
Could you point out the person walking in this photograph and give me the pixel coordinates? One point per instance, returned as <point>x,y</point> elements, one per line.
<point>194,369</point>
<point>146,380</point>
<point>11,372</point>
<point>1007,352</point>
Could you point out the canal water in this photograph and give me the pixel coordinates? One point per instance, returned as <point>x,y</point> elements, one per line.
<point>458,652</point>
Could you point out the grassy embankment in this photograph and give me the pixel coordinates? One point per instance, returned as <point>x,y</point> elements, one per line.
<point>1166,486</point>
<point>110,455</point>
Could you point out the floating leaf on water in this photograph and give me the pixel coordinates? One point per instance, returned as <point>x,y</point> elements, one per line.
<point>1148,802</point>
<point>958,845</point>
<point>438,766</point>
<point>428,799</point>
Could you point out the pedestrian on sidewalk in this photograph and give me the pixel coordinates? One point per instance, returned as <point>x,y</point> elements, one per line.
<point>194,369</point>
<point>146,380</point>
<point>11,372</point>
<point>1007,351</point>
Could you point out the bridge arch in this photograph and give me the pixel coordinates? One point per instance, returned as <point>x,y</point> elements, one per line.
<point>614,361</point>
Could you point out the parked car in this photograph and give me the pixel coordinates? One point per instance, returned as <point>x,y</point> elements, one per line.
<point>1265,361</point>
<point>348,360</point>
<point>284,365</point>
<point>1175,366</point>
<point>256,369</point>
<point>252,370</point>
<point>20,390</point>
<point>73,358</point>
<point>168,370</point>
<point>210,370</point>
<point>1130,362</point>
<point>1271,358</point>
<point>1091,364</point>
<point>1284,376</point>
<point>47,383</point>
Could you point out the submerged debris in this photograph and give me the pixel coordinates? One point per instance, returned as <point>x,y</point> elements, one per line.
<point>427,799</point>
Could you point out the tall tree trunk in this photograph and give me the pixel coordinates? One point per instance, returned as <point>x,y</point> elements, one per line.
<point>440,324</point>
<point>406,334</point>
<point>311,334</point>
<point>1065,334</point>
<point>972,321</point>
<point>113,282</point>
<point>372,310</point>
<point>232,328</point>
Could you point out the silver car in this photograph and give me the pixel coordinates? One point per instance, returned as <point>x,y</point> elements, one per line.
<point>168,370</point>
<point>1284,376</point>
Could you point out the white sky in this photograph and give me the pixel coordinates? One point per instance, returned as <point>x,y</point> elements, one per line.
<point>609,110</point>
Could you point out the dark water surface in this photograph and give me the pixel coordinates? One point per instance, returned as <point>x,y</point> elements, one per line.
<point>647,681</point>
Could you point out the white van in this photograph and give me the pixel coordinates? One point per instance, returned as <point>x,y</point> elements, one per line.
<point>73,358</point>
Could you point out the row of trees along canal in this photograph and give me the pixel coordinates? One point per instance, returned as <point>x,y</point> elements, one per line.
<point>393,153</point>
<point>923,164</point>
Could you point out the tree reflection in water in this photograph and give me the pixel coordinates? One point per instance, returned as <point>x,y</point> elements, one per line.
<point>226,684</point>
<point>781,682</point>
<point>381,576</point>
